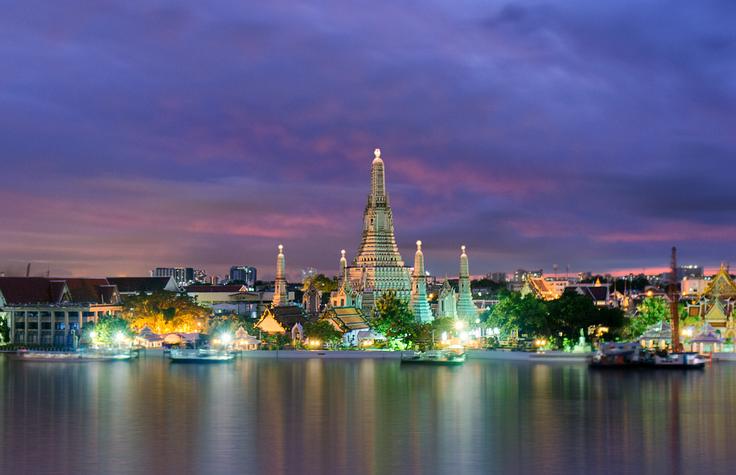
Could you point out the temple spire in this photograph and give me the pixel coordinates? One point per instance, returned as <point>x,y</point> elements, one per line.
<point>419,303</point>
<point>378,179</point>
<point>279,293</point>
<point>378,267</point>
<point>465,306</point>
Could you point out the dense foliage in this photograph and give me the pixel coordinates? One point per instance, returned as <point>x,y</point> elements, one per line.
<point>323,331</point>
<point>394,319</point>
<point>558,320</point>
<point>4,331</point>
<point>108,329</point>
<point>165,312</point>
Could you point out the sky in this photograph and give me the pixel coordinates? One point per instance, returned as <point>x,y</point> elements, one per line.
<point>594,135</point>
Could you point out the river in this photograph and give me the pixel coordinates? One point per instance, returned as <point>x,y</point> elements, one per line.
<point>358,416</point>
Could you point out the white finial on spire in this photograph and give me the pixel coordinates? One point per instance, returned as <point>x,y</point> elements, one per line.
<point>342,252</point>
<point>419,245</point>
<point>377,153</point>
<point>281,248</point>
<point>462,248</point>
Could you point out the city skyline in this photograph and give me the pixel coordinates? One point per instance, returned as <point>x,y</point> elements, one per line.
<point>535,135</point>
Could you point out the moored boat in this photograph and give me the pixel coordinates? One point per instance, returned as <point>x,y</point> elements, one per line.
<point>200,356</point>
<point>632,355</point>
<point>75,356</point>
<point>449,357</point>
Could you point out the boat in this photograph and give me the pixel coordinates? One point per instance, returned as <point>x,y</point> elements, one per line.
<point>201,355</point>
<point>76,356</point>
<point>453,356</point>
<point>633,355</point>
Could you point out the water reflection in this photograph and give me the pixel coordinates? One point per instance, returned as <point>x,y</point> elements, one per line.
<point>361,416</point>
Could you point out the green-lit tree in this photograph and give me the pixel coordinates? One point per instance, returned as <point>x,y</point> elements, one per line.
<point>394,320</point>
<point>108,330</point>
<point>4,331</point>
<point>650,311</point>
<point>323,331</point>
<point>526,315</point>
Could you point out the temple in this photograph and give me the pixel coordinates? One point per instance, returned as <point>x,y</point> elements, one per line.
<point>378,266</point>
<point>465,307</point>
<point>716,304</point>
<point>419,303</point>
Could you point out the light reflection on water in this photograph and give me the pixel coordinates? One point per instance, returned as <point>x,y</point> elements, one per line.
<point>362,416</point>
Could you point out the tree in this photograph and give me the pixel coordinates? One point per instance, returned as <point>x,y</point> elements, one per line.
<point>323,331</point>
<point>394,319</point>
<point>4,331</point>
<point>650,311</point>
<point>108,329</point>
<point>165,312</point>
<point>525,315</point>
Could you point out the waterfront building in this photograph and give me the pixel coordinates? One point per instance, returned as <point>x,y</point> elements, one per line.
<point>229,298</point>
<point>283,319</point>
<point>693,286</point>
<point>245,274</point>
<point>418,302</point>
<point>465,307</point>
<point>447,301</point>
<point>280,296</point>
<point>144,285</point>
<point>349,321</point>
<point>378,266</point>
<point>245,342</point>
<point>52,311</point>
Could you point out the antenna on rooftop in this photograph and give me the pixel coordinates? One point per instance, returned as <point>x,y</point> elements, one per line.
<point>28,270</point>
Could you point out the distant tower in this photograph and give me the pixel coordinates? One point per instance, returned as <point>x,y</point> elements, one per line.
<point>465,306</point>
<point>279,291</point>
<point>419,303</point>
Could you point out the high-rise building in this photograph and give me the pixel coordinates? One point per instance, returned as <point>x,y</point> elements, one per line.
<point>245,274</point>
<point>690,271</point>
<point>378,266</point>
<point>182,275</point>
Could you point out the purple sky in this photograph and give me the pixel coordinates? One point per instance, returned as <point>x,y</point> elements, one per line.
<point>589,133</point>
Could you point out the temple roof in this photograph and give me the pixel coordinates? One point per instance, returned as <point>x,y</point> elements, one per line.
<point>720,286</point>
<point>346,318</point>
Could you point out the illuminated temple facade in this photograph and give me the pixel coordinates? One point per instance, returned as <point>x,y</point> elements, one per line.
<point>716,304</point>
<point>378,266</point>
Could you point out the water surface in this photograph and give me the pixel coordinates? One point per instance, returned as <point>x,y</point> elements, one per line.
<point>362,416</point>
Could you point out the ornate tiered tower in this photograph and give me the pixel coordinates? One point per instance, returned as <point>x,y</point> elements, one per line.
<point>378,266</point>
<point>279,291</point>
<point>465,307</point>
<point>419,303</point>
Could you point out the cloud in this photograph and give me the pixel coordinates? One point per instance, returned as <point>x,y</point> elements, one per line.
<point>594,134</point>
